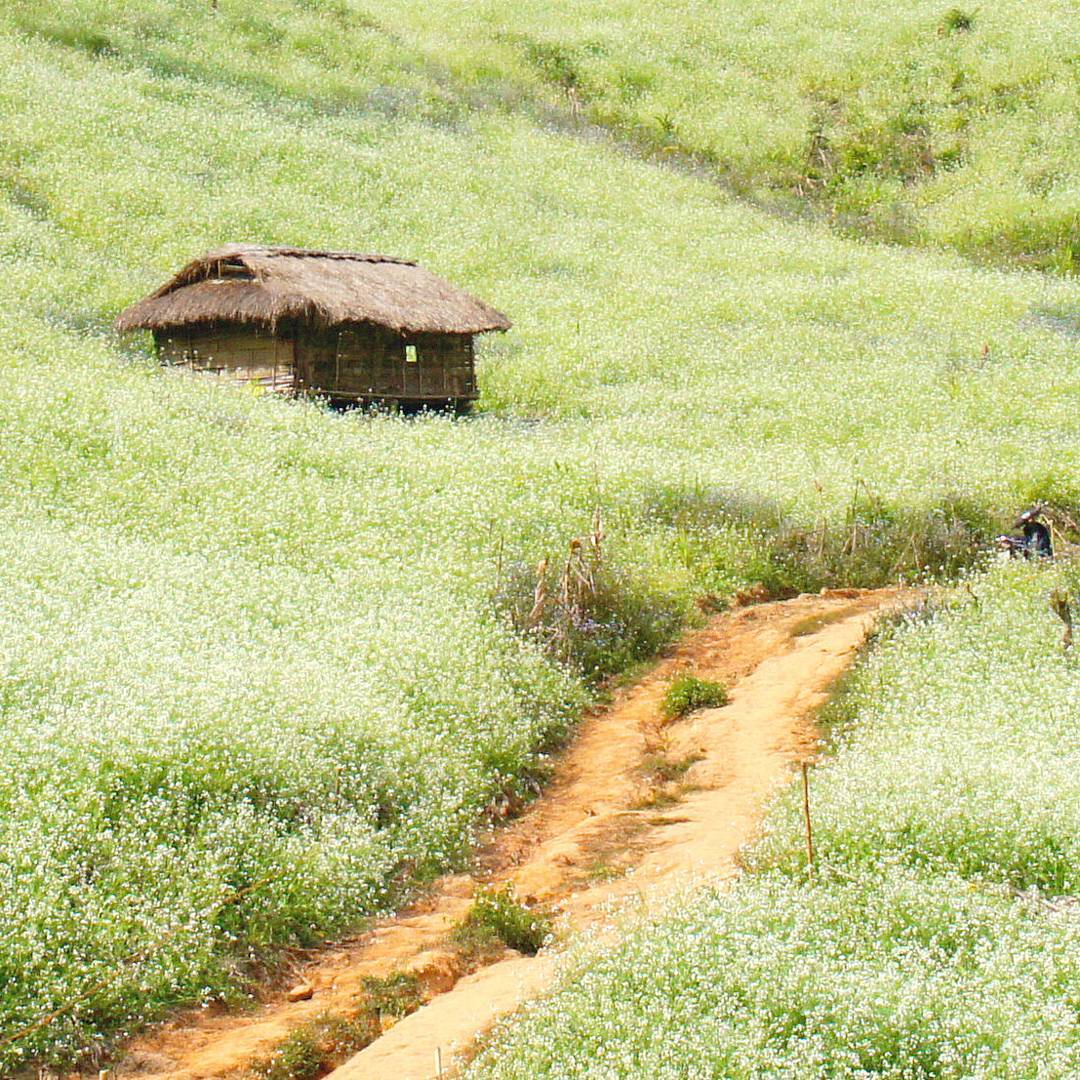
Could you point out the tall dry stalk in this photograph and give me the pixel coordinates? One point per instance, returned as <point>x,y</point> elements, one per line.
<point>555,618</point>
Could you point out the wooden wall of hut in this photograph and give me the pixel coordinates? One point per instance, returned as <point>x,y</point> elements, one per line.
<point>371,363</point>
<point>247,353</point>
<point>360,363</point>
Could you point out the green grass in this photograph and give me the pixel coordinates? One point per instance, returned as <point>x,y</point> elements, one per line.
<point>497,920</point>
<point>928,124</point>
<point>932,124</point>
<point>249,641</point>
<point>686,693</point>
<point>397,994</point>
<point>315,1048</point>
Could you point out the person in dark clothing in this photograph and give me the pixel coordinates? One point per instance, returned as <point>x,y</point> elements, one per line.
<point>1035,541</point>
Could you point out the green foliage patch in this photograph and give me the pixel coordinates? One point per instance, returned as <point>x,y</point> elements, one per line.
<point>396,994</point>
<point>687,693</point>
<point>315,1048</point>
<point>497,916</point>
<point>956,20</point>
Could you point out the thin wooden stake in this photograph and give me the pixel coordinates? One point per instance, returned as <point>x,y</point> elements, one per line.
<point>806,815</point>
<point>438,1062</point>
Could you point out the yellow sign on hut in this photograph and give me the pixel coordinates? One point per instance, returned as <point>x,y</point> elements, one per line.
<point>364,329</point>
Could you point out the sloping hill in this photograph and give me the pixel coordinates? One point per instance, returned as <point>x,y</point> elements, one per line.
<point>930,123</point>
<point>246,641</point>
<point>921,123</point>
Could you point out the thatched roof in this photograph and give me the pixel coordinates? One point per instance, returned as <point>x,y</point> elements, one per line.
<point>253,284</point>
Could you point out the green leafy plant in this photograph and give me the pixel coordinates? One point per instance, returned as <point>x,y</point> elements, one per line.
<point>687,693</point>
<point>498,918</point>
<point>956,20</point>
<point>315,1048</point>
<point>664,770</point>
<point>396,994</point>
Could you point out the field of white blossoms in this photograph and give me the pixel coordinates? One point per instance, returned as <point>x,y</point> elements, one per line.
<point>927,122</point>
<point>940,937</point>
<point>251,642</point>
<point>933,122</point>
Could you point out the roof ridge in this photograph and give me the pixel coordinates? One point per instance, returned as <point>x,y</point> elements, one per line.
<point>312,253</point>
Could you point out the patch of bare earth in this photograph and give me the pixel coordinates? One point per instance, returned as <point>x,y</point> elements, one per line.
<point>607,829</point>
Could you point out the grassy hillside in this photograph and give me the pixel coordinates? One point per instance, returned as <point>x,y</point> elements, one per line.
<point>940,938</point>
<point>927,124</point>
<point>249,641</point>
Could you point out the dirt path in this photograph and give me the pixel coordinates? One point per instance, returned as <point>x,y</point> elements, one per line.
<point>615,823</point>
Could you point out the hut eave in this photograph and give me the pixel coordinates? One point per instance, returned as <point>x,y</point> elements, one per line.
<point>266,285</point>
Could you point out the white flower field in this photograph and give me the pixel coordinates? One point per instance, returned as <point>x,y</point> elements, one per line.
<point>250,643</point>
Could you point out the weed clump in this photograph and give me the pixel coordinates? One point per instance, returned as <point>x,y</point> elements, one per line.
<point>315,1048</point>
<point>587,612</point>
<point>664,770</point>
<point>957,21</point>
<point>396,994</point>
<point>498,918</point>
<point>688,693</point>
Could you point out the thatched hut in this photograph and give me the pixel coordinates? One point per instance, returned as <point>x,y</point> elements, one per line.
<point>353,328</point>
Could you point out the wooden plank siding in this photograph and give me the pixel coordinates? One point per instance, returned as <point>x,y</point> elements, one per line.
<point>372,363</point>
<point>357,363</point>
<point>242,353</point>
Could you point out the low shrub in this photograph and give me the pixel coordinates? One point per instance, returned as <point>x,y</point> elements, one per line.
<point>688,693</point>
<point>596,617</point>
<point>956,20</point>
<point>316,1048</point>
<point>396,994</point>
<point>664,770</point>
<point>497,916</point>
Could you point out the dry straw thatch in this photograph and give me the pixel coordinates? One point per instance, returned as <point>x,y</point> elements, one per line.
<point>248,283</point>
